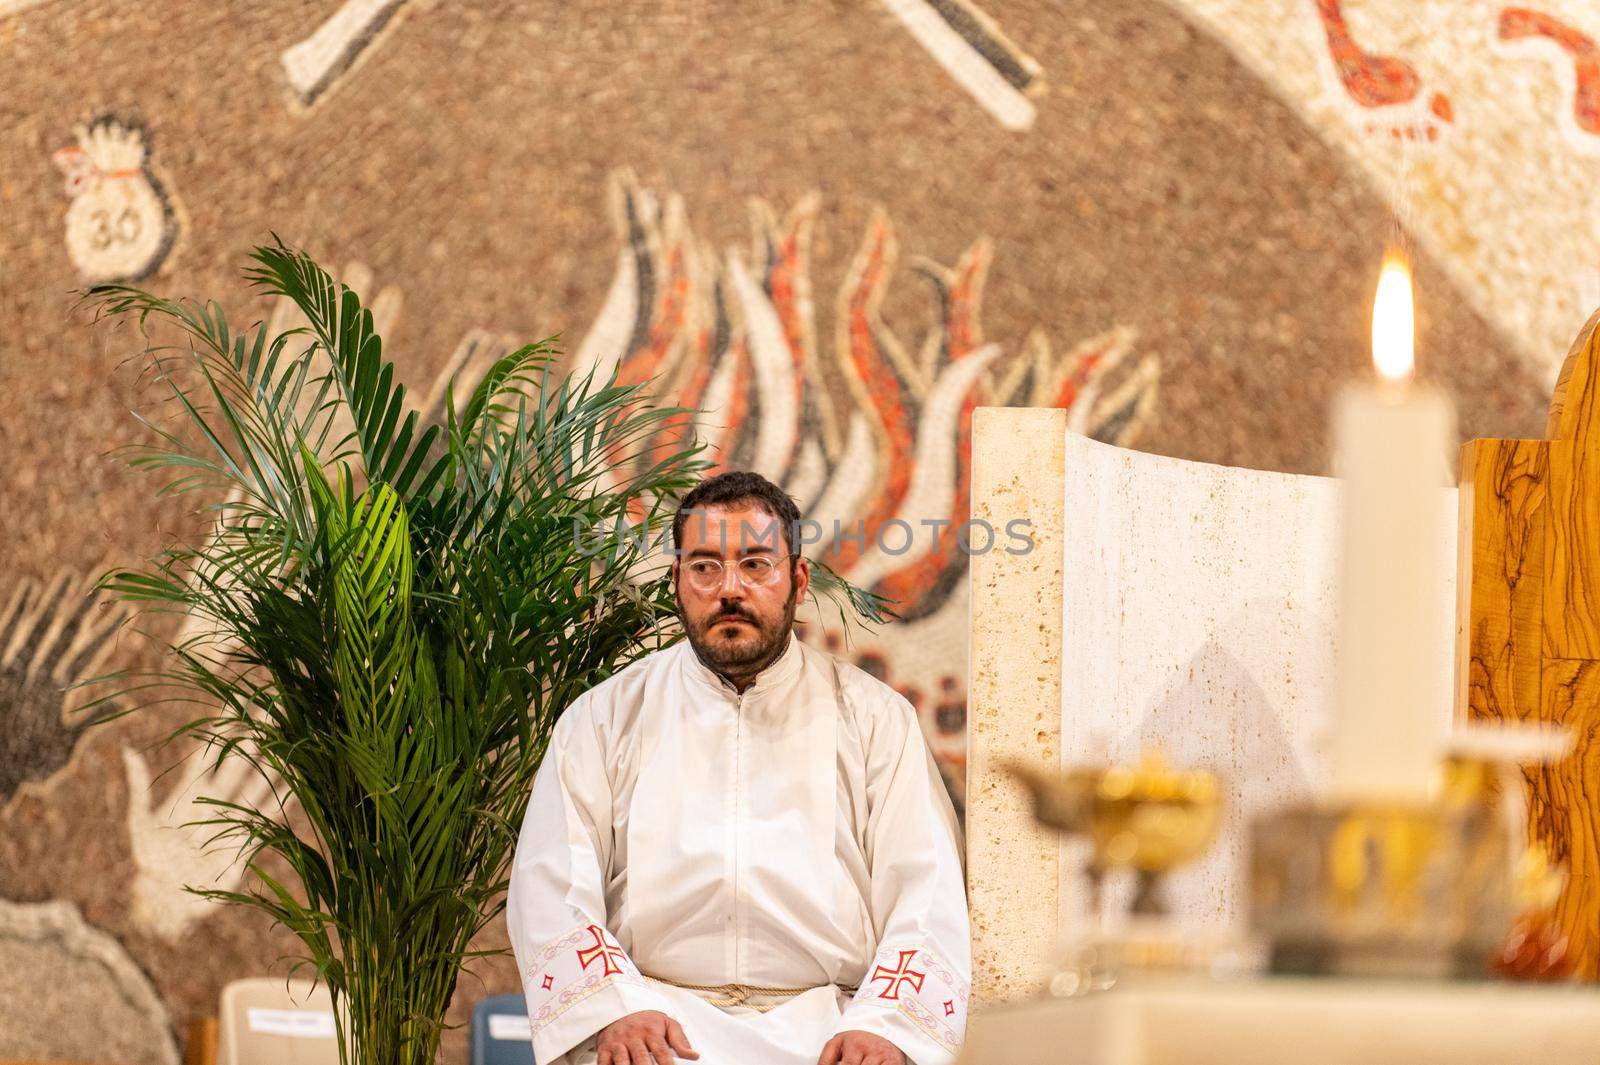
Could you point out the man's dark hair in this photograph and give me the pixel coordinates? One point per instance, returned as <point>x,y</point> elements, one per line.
<point>731,489</point>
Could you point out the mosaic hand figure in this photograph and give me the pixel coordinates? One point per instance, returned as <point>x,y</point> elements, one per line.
<point>49,640</point>
<point>173,849</point>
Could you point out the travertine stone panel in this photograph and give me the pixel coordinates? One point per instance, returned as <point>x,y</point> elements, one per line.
<point>1201,616</point>
<point>1014,694</point>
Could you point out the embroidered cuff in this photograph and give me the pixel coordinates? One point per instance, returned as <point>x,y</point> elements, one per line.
<point>916,983</point>
<point>571,968</point>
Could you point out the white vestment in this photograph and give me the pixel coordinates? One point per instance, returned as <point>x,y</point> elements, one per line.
<point>795,836</point>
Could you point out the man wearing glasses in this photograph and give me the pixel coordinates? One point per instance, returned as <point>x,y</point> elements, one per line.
<point>738,850</point>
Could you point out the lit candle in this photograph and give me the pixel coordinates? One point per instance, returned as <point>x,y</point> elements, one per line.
<point>1392,438</point>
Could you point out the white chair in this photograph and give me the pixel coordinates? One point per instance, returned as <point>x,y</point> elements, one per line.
<point>276,1022</point>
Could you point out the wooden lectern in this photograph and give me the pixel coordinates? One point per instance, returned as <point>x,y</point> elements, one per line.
<point>1528,615</point>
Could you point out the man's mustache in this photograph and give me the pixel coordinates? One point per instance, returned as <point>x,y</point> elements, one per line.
<point>726,614</point>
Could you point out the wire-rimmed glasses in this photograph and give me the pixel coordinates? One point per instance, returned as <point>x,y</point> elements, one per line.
<point>706,574</point>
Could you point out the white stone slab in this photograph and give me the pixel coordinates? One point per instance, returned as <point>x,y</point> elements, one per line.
<point>1296,1022</point>
<point>1200,615</point>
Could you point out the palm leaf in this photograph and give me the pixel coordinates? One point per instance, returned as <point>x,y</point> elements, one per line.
<point>375,400</point>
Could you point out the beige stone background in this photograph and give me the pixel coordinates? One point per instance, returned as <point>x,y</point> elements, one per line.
<point>839,223</point>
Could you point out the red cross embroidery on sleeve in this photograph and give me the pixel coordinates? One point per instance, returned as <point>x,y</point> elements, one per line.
<point>901,975</point>
<point>602,950</point>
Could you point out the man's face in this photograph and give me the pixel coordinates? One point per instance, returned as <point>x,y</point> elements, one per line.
<point>736,627</point>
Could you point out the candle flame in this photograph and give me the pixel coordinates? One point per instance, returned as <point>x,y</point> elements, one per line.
<point>1394,320</point>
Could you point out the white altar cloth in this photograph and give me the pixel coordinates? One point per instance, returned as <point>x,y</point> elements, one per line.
<point>1287,1021</point>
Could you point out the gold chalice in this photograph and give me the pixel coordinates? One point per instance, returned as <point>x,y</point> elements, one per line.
<point>1151,819</point>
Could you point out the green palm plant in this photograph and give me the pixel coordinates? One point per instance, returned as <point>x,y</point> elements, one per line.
<point>392,615</point>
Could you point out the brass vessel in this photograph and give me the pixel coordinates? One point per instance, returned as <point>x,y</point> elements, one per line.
<point>1150,818</point>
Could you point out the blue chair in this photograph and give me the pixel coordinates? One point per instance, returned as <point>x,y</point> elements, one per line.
<point>500,1033</point>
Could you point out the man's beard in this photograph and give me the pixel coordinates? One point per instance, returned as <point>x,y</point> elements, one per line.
<point>749,650</point>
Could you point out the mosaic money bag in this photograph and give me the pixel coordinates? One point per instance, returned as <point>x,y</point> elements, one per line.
<point>120,225</point>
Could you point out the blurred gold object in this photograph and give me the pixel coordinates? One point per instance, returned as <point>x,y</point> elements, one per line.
<point>1484,770</point>
<point>1394,848</point>
<point>1150,819</point>
<point>1537,881</point>
<point>1381,889</point>
<point>1446,888</point>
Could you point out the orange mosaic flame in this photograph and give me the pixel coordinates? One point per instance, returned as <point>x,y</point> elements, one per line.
<point>708,335</point>
<point>1371,80</point>
<point>880,385</point>
<point>909,587</point>
<point>1521,23</point>
<point>788,283</point>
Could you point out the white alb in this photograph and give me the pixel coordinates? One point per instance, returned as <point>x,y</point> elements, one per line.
<point>797,835</point>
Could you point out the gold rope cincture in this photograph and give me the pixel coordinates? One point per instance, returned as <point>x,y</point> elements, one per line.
<point>740,994</point>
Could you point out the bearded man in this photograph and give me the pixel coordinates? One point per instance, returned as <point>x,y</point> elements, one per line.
<point>738,850</point>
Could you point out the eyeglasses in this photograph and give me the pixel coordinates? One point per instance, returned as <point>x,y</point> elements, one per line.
<point>705,574</point>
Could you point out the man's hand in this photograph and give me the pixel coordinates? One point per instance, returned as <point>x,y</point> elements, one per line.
<point>649,1037</point>
<point>860,1048</point>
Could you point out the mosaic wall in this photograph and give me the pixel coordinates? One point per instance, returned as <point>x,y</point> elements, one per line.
<point>837,226</point>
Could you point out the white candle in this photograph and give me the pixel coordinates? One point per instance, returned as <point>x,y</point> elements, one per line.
<point>1392,439</point>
